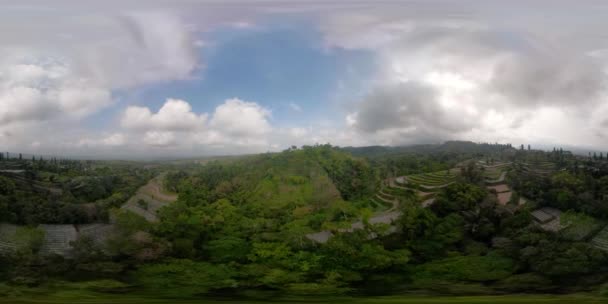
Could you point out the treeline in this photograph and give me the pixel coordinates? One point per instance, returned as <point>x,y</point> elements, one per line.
<point>240,227</point>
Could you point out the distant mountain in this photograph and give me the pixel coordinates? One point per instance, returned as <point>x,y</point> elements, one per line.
<point>446,147</point>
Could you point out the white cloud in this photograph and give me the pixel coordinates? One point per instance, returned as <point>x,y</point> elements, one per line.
<point>111,140</point>
<point>67,66</point>
<point>174,115</point>
<point>31,91</point>
<point>238,118</point>
<point>233,124</point>
<point>159,138</point>
<point>294,106</point>
<point>475,80</point>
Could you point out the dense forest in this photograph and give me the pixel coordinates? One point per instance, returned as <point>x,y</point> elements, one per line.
<point>453,219</point>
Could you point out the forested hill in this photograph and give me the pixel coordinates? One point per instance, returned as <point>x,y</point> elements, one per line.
<point>311,184</point>
<point>448,147</point>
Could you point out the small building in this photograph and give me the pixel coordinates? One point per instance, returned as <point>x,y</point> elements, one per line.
<point>541,216</point>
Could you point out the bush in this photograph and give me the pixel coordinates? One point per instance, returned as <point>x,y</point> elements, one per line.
<point>491,267</point>
<point>525,282</point>
<point>106,286</point>
<point>185,278</point>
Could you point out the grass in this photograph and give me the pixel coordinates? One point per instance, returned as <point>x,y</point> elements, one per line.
<point>79,297</point>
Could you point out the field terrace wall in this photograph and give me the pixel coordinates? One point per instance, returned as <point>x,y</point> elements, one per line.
<point>57,238</point>
<point>600,240</point>
<point>499,185</point>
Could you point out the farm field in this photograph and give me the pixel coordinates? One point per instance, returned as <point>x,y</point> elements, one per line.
<point>600,240</point>
<point>153,196</point>
<point>494,172</point>
<point>433,179</point>
<point>579,226</point>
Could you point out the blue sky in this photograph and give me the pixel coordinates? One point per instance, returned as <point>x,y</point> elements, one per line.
<point>186,78</point>
<point>284,68</point>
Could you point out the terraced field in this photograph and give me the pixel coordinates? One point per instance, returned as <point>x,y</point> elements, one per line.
<point>379,204</point>
<point>600,240</point>
<point>579,226</point>
<point>153,198</point>
<point>539,167</point>
<point>7,231</point>
<point>384,203</point>
<point>57,239</point>
<point>97,232</point>
<point>429,180</point>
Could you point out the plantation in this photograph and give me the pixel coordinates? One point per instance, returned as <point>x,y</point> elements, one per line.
<point>432,180</point>
<point>600,240</point>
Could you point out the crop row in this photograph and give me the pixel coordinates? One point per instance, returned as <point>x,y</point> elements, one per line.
<point>429,181</point>
<point>601,239</point>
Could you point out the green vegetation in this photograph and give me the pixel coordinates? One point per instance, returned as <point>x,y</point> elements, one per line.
<point>434,179</point>
<point>579,226</point>
<point>65,191</point>
<point>90,297</point>
<point>241,228</point>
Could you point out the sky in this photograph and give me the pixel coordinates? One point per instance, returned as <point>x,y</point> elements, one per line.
<point>161,78</point>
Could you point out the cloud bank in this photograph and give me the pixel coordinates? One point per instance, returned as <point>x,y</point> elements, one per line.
<point>443,70</point>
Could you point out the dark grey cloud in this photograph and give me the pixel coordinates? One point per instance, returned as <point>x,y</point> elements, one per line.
<point>546,78</point>
<point>483,75</point>
<point>410,107</point>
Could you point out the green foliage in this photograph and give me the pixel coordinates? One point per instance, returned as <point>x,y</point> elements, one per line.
<point>66,192</point>
<point>104,286</point>
<point>228,249</point>
<point>525,282</point>
<point>7,186</point>
<point>578,226</point>
<point>347,254</point>
<point>185,278</point>
<point>486,268</point>
<point>242,225</point>
<point>458,197</point>
<point>443,236</point>
<point>28,240</point>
